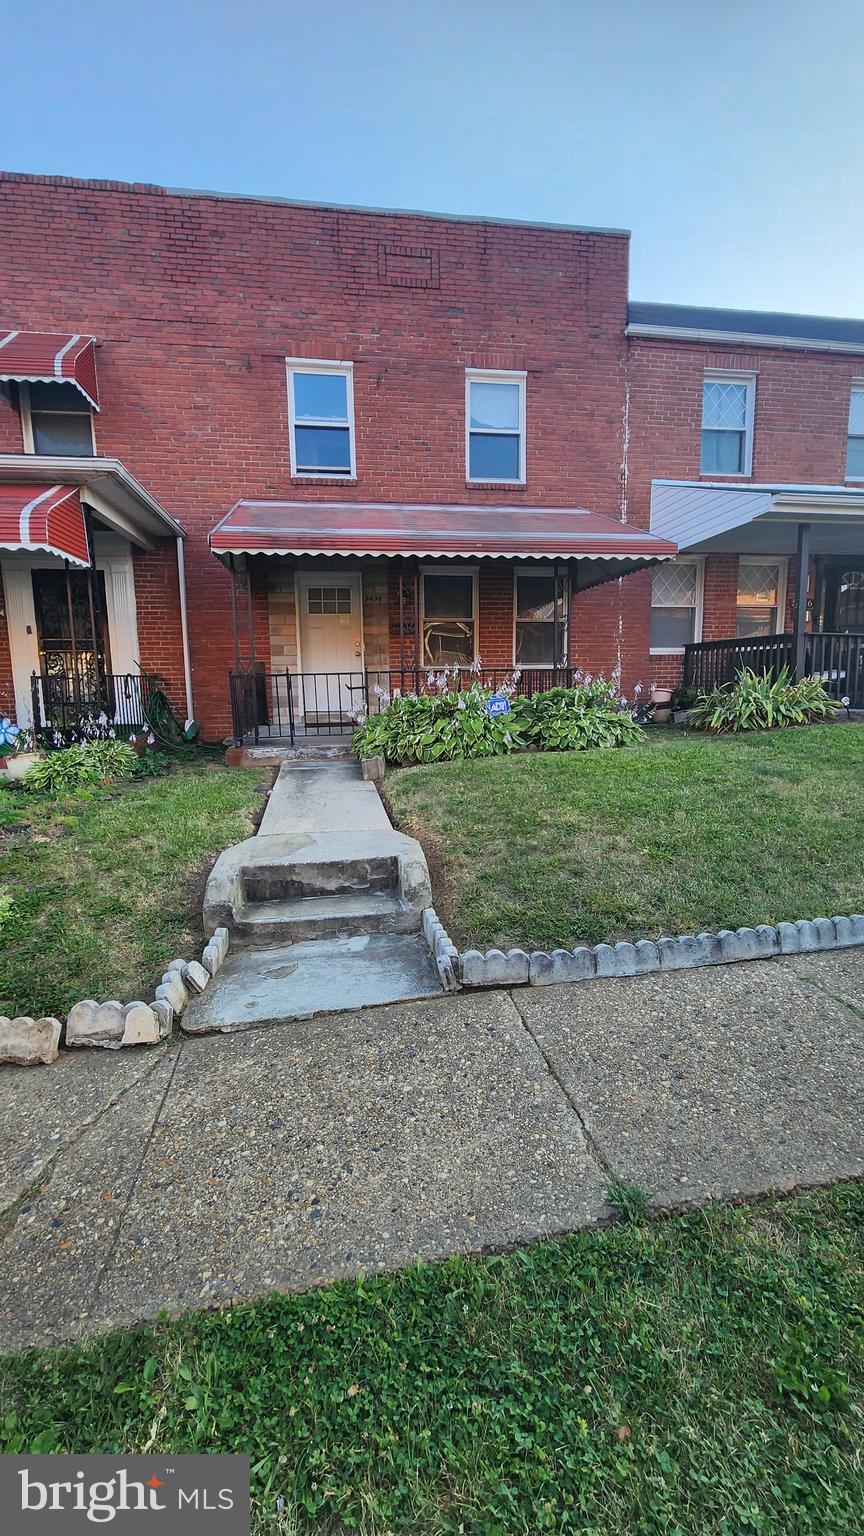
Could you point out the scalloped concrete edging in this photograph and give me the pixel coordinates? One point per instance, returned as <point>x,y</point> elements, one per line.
<point>29,1042</point>
<point>518,967</point>
<point>444,950</point>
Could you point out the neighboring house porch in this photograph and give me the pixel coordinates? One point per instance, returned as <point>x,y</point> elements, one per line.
<point>767,576</point>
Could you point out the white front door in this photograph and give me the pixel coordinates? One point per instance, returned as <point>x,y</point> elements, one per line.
<point>331,644</point>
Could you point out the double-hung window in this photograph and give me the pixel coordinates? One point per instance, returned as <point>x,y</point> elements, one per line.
<point>321,418</point>
<point>449,618</point>
<point>727,423</point>
<point>855,440</point>
<point>676,605</point>
<point>495,426</point>
<point>541,619</point>
<point>56,418</point>
<point>761,596</point>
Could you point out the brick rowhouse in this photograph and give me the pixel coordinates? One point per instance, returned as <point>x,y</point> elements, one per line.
<point>196,300</point>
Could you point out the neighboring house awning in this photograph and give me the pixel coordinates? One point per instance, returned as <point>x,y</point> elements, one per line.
<point>436,532</point>
<point>41,357</point>
<point>700,515</point>
<point>104,485</point>
<point>50,520</point>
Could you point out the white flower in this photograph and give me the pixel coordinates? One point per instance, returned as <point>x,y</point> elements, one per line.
<point>461,704</point>
<point>150,738</point>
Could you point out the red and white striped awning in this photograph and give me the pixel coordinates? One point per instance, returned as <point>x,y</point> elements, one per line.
<point>41,357</point>
<point>49,519</point>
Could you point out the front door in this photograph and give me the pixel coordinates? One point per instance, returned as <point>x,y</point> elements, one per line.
<point>331,647</point>
<point>844,596</point>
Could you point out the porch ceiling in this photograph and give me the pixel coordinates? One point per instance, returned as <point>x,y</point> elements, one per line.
<point>764,519</point>
<point>434,531</point>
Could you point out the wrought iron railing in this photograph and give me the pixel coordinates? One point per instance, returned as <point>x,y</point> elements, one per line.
<point>70,703</point>
<point>838,659</point>
<point>284,705</point>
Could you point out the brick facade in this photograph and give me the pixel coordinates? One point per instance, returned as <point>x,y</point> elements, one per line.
<point>196,301</point>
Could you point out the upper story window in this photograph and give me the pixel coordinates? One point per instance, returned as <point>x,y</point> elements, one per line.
<point>55,418</point>
<point>855,440</point>
<point>495,426</point>
<point>676,605</point>
<point>727,423</point>
<point>761,597</point>
<point>321,418</point>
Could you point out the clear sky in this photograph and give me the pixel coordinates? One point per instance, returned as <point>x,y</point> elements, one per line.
<point>728,135</point>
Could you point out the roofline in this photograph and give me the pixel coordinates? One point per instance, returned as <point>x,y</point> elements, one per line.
<point>743,338</point>
<point>155,189</point>
<point>772,487</point>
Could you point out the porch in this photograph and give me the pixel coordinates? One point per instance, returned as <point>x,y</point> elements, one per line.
<point>336,605</point>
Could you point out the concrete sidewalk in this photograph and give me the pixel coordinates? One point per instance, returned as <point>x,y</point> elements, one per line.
<point>221,1168</point>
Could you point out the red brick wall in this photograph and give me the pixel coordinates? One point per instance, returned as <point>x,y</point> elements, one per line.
<point>196,301</point>
<point>158,604</point>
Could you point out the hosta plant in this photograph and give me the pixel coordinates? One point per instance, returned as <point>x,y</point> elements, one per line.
<point>588,715</point>
<point>86,764</point>
<point>440,726</point>
<point>756,701</point>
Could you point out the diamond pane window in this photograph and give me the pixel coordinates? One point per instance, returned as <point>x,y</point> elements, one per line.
<point>726,426</point>
<point>674,604</point>
<point>758,598</point>
<point>855,442</point>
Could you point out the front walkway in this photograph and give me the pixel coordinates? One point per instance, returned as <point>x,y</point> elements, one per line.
<point>218,1169</point>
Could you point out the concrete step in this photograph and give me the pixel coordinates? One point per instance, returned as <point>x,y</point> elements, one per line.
<point>319,917</point>
<point>334,877</point>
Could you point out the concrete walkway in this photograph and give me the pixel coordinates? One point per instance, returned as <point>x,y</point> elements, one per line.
<point>220,1168</point>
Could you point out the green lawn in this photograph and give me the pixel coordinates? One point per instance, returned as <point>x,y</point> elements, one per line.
<point>679,834</point>
<point>100,892</point>
<point>701,1375</point>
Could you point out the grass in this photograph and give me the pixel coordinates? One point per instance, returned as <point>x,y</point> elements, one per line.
<point>701,1375</point>
<point>680,834</point>
<point>100,891</point>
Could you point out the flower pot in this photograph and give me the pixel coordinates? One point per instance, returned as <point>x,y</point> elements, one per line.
<point>661,695</point>
<point>19,766</point>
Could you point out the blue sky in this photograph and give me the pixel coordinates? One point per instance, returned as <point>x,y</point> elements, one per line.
<point>728,136</point>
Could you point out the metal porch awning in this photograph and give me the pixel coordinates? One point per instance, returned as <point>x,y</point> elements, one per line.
<point>432,531</point>
<point>49,520</point>
<point>47,357</point>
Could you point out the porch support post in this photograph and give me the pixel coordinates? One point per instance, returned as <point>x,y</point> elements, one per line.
<point>568,599</point>
<point>234,628</point>
<point>800,631</point>
<point>417,653</point>
<point>402,626</point>
<point>95,615</point>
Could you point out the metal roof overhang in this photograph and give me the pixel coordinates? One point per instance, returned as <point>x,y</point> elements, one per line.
<point>721,517</point>
<point>47,357</point>
<point>438,532</point>
<point>48,520</point>
<point>104,484</point>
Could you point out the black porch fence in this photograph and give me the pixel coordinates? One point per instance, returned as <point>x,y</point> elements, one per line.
<point>268,706</point>
<point>837,659</point>
<point>69,702</point>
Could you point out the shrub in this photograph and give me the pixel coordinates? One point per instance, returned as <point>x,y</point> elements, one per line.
<point>431,727</point>
<point>449,722</point>
<point>77,767</point>
<point>574,719</point>
<point>758,702</point>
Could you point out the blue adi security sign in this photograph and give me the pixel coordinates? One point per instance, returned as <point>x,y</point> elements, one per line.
<point>497,704</point>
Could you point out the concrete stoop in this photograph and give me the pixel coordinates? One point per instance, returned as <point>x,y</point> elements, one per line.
<point>324,906</point>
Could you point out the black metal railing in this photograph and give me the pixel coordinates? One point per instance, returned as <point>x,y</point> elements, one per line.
<point>838,659</point>
<point>71,703</point>
<point>283,705</point>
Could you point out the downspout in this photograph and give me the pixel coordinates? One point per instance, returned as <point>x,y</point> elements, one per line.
<point>184,628</point>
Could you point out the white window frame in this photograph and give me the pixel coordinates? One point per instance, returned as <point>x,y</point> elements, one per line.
<point>448,570</point>
<point>320,365</point>
<point>678,650</point>
<point>26,414</point>
<point>856,388</point>
<point>496,376</point>
<point>782,561</point>
<point>534,570</point>
<point>730,376</point>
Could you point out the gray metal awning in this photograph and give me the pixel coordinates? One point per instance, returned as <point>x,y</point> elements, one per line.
<point>704,516</point>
